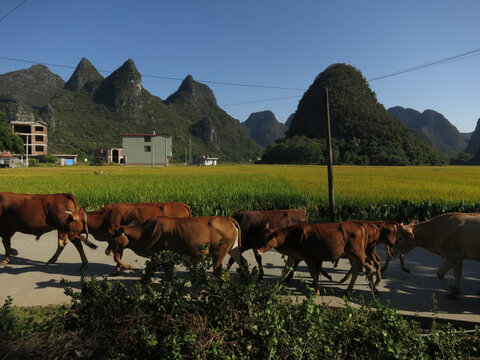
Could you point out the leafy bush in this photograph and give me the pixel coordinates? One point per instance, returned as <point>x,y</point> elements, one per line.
<point>162,316</point>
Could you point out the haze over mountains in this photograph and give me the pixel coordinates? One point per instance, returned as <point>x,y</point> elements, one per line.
<point>89,112</point>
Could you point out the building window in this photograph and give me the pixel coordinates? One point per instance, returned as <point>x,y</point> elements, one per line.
<point>147,139</point>
<point>147,148</point>
<point>39,128</point>
<point>39,148</point>
<point>38,137</point>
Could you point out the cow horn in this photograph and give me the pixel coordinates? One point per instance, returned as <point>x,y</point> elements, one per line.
<point>68,212</point>
<point>85,224</point>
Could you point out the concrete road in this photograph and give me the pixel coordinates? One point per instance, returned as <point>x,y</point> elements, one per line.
<point>29,281</point>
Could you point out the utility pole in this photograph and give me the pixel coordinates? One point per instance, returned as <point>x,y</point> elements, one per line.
<point>331,195</point>
<point>26,152</point>
<point>190,150</point>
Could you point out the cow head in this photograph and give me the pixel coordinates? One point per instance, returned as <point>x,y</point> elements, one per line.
<point>270,239</point>
<point>405,240</point>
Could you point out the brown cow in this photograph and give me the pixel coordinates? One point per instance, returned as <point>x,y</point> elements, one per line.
<point>253,225</point>
<point>193,237</point>
<point>37,214</point>
<point>453,236</point>
<point>101,223</point>
<point>317,243</point>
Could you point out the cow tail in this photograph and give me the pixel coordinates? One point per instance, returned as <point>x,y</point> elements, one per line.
<point>236,253</point>
<point>239,232</point>
<point>189,210</point>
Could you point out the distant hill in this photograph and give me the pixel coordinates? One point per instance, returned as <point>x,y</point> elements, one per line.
<point>363,131</point>
<point>264,128</point>
<point>441,134</point>
<point>32,87</point>
<point>90,112</point>
<point>473,146</point>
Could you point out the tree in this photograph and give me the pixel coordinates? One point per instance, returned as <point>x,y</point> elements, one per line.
<point>8,140</point>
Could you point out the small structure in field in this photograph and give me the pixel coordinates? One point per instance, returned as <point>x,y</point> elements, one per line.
<point>66,159</point>
<point>147,149</point>
<point>205,160</point>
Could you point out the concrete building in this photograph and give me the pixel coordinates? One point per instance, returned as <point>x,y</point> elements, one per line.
<point>109,156</point>
<point>33,134</point>
<point>147,149</point>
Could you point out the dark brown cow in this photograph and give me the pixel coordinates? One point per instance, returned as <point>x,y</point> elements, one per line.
<point>193,237</point>
<point>101,223</point>
<point>37,214</point>
<point>253,225</point>
<point>317,243</point>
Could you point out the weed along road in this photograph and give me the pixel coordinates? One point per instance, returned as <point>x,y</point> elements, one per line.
<point>29,281</point>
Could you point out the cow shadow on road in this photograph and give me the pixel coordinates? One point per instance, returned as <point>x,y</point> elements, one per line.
<point>19,265</point>
<point>413,292</point>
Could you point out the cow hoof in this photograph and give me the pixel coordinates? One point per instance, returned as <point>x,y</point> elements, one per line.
<point>84,266</point>
<point>51,261</point>
<point>114,273</point>
<point>13,251</point>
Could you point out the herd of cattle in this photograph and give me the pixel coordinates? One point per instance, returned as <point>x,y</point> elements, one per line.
<point>148,228</point>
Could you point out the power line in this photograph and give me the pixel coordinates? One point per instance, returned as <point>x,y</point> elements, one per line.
<point>161,77</point>
<point>432,63</point>
<point>11,11</point>
<point>457,57</point>
<point>261,101</point>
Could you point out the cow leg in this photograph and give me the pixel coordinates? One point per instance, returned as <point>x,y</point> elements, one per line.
<point>258,257</point>
<point>6,240</point>
<point>232,259</point>
<point>457,272</point>
<point>78,245</point>
<point>289,269</point>
<point>402,264</point>
<point>118,258</point>
<point>313,269</point>
<point>389,257</point>
<point>60,246</point>
<point>442,270</point>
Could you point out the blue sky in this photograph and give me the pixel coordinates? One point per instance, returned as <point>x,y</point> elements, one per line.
<point>268,42</point>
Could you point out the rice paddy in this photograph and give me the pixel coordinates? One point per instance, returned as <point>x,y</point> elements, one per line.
<point>227,189</point>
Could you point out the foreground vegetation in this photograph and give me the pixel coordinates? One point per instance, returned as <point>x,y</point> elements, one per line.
<point>238,317</point>
<point>361,192</point>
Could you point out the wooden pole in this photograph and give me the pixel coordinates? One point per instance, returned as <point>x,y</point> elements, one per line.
<point>331,195</point>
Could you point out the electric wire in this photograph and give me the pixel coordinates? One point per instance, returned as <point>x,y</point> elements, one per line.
<point>11,11</point>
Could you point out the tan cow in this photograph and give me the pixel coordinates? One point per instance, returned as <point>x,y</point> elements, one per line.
<point>317,243</point>
<point>37,214</point>
<point>453,236</point>
<point>193,237</point>
<point>102,222</point>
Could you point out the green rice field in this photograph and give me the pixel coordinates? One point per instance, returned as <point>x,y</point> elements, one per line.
<point>360,191</point>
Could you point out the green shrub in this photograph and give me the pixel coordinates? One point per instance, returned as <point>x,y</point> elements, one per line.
<point>162,316</point>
